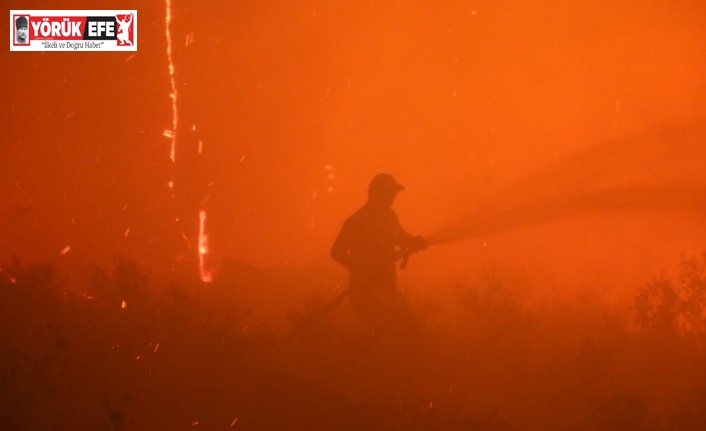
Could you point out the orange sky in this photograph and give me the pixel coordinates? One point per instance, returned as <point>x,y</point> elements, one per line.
<point>299,104</point>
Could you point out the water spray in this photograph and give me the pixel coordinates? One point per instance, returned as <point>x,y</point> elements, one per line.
<point>667,163</point>
<point>492,220</point>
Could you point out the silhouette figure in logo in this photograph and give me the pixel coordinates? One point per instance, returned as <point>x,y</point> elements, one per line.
<point>369,243</point>
<point>124,29</point>
<point>21,35</point>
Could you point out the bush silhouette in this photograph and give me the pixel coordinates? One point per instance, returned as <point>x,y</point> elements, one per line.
<point>665,308</point>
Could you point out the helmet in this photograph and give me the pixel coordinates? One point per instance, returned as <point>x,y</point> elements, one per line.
<point>384,184</point>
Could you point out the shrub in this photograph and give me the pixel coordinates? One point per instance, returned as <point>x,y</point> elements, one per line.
<point>665,307</point>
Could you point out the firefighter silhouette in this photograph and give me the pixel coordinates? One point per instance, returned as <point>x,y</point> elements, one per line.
<point>369,243</point>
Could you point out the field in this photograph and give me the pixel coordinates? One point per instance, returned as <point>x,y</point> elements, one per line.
<point>135,352</point>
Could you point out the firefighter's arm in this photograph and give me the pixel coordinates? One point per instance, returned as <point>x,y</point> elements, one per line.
<point>413,245</point>
<point>339,250</point>
<point>418,243</point>
<point>408,243</point>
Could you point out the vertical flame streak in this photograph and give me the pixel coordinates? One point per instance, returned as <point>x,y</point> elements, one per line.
<point>174,94</point>
<point>206,274</point>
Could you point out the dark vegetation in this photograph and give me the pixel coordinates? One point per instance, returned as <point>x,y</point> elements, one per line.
<point>131,352</point>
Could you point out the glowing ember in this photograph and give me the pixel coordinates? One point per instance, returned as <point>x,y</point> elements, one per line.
<point>206,274</point>
<point>65,250</point>
<point>123,305</point>
<point>127,232</point>
<point>235,421</point>
<point>186,239</point>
